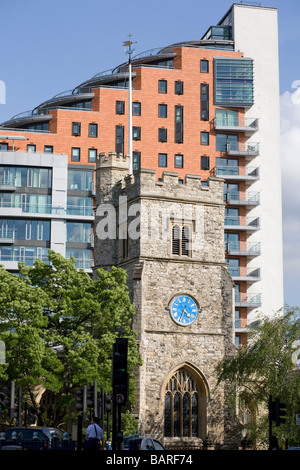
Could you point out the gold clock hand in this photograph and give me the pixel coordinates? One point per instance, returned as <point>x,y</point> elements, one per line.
<point>183,311</point>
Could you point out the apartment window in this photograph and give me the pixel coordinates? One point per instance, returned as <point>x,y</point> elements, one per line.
<point>31,148</point>
<point>120,139</point>
<point>48,149</point>
<point>162,86</point>
<point>79,232</point>
<point>162,134</point>
<point>234,82</point>
<point>136,133</point>
<point>178,161</point>
<point>93,130</point>
<point>83,258</point>
<point>76,128</point>
<point>181,238</point>
<point>179,124</point>
<point>232,216</point>
<point>204,66</point>
<point>204,162</point>
<point>120,107</point>
<point>179,87</point>
<point>3,146</point>
<point>204,138</point>
<point>79,205</point>
<point>136,109</point>
<point>92,155</point>
<point>75,154</point>
<point>162,110</point>
<point>136,161</point>
<point>204,97</point>
<point>225,142</point>
<point>80,180</point>
<point>162,159</point>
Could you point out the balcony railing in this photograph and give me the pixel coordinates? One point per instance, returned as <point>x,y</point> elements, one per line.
<point>243,248</point>
<point>234,123</point>
<point>17,258</point>
<point>7,235</point>
<point>242,223</point>
<point>32,208</point>
<point>249,149</point>
<point>244,273</point>
<point>247,300</point>
<point>7,182</point>
<point>237,172</point>
<point>239,198</point>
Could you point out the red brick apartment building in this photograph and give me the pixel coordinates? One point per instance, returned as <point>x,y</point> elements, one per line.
<point>196,110</point>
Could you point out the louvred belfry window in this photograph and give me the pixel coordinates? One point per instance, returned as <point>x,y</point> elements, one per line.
<point>181,240</point>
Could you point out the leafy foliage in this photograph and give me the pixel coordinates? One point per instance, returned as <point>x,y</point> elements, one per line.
<point>59,326</point>
<point>266,367</point>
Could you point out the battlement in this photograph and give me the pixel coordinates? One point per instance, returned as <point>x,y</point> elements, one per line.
<point>144,183</point>
<point>112,160</point>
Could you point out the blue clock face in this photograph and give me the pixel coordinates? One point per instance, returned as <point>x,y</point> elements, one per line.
<point>184,310</point>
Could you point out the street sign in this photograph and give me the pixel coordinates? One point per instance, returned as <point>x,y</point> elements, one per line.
<point>120,398</point>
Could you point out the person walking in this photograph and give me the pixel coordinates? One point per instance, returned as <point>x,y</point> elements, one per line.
<point>95,435</point>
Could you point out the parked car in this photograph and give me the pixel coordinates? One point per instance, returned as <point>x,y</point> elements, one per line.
<point>144,443</point>
<point>31,438</point>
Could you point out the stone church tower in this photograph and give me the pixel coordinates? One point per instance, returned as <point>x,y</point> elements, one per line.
<point>169,237</point>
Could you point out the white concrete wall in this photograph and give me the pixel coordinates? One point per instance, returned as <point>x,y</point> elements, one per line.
<point>255,32</point>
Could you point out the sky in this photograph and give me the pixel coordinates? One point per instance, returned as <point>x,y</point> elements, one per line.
<point>51,47</point>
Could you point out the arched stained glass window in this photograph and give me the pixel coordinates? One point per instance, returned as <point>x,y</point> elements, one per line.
<point>182,406</point>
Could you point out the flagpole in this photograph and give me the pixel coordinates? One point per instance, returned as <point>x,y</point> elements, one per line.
<point>129,52</point>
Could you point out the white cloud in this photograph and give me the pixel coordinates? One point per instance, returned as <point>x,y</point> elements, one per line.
<point>290,158</point>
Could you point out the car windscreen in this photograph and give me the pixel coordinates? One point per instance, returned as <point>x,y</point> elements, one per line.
<point>25,434</point>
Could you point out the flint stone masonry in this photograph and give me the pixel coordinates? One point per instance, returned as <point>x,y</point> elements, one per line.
<point>155,277</point>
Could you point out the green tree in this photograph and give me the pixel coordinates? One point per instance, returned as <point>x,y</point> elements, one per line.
<point>265,367</point>
<point>75,320</point>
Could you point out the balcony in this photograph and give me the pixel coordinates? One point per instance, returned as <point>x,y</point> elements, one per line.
<point>248,224</point>
<point>228,124</point>
<point>237,173</point>
<point>7,236</point>
<point>7,183</point>
<point>247,300</point>
<point>250,149</point>
<point>243,249</point>
<point>244,274</point>
<point>238,198</point>
<point>48,210</point>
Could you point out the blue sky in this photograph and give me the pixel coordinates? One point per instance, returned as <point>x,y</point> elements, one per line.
<point>50,47</point>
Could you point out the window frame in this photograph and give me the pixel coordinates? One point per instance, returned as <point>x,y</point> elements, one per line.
<point>137,112</point>
<point>178,87</point>
<point>120,107</point>
<point>91,134</point>
<point>137,130</point>
<point>160,156</point>
<point>202,134</point>
<point>206,68</point>
<point>176,165</point>
<point>162,86</point>
<point>91,160</point>
<point>162,134</point>
<point>162,107</point>
<point>76,128</point>
<point>72,155</point>
<point>205,162</point>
